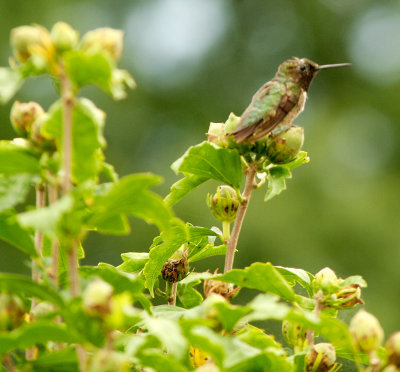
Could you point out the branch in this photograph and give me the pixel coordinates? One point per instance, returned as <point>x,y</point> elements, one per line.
<point>233,240</point>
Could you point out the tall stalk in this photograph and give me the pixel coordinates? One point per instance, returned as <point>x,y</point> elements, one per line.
<point>55,248</point>
<point>233,240</point>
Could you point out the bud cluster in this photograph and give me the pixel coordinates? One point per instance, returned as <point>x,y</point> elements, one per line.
<point>12,311</point>
<point>36,46</point>
<point>336,293</point>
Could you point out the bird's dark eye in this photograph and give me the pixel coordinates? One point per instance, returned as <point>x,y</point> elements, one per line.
<point>302,68</point>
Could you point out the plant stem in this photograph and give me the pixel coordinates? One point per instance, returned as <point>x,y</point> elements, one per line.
<point>67,97</point>
<point>310,332</point>
<point>8,362</point>
<point>233,240</point>
<point>172,296</point>
<point>226,231</point>
<point>40,203</point>
<point>53,197</point>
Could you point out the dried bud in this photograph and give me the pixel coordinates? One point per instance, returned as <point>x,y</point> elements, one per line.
<point>224,203</point>
<point>223,289</point>
<point>393,348</point>
<point>104,40</point>
<point>320,358</point>
<point>366,331</point>
<point>294,333</point>
<point>64,36</point>
<point>97,297</point>
<point>23,115</point>
<point>283,147</point>
<point>325,280</point>
<point>349,297</point>
<point>109,361</point>
<point>176,268</point>
<point>12,312</point>
<point>27,40</point>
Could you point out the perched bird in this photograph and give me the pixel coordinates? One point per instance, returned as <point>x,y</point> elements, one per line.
<point>278,102</point>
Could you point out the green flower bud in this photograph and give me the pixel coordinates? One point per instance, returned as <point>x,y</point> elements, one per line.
<point>366,331</point>
<point>104,40</point>
<point>23,115</point>
<point>64,36</point>
<point>283,147</point>
<point>122,314</point>
<point>27,40</point>
<point>321,358</point>
<point>109,361</point>
<point>176,268</point>
<point>393,348</point>
<point>294,333</point>
<point>97,297</point>
<point>325,280</point>
<point>224,203</point>
<point>12,312</point>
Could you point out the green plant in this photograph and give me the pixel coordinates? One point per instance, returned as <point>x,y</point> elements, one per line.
<point>69,317</point>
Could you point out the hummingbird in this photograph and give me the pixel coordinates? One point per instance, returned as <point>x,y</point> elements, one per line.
<point>279,101</point>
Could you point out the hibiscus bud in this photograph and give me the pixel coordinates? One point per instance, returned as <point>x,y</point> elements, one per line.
<point>325,280</point>
<point>224,203</point>
<point>23,115</point>
<point>393,348</point>
<point>64,36</point>
<point>320,358</point>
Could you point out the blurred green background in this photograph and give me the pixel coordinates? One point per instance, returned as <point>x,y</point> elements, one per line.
<point>195,61</point>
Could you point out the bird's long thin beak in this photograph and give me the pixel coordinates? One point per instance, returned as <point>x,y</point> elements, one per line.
<point>323,67</point>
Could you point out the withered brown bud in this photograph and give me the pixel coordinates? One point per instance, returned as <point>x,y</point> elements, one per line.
<point>175,270</point>
<point>320,358</point>
<point>223,289</point>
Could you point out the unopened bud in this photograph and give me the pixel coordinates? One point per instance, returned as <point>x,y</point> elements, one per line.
<point>325,280</point>
<point>283,147</point>
<point>23,115</point>
<point>26,39</point>
<point>216,133</point>
<point>42,309</point>
<point>320,358</point>
<point>294,333</point>
<point>393,348</point>
<point>104,40</point>
<point>223,289</point>
<point>176,268</point>
<point>108,361</point>
<point>349,297</point>
<point>224,203</point>
<point>391,368</point>
<point>64,36</point>
<point>12,312</point>
<point>97,297</point>
<point>366,331</point>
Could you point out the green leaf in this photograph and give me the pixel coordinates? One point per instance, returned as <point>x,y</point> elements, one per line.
<point>32,334</point>
<point>300,276</point>
<point>87,140</point>
<point>14,189</point>
<point>24,286</point>
<point>300,159</point>
<point>355,279</point>
<point>120,80</point>
<point>14,234</point>
<point>15,160</point>
<point>182,187</point>
<point>187,295</point>
<point>256,337</point>
<point>10,82</point>
<point>46,220</point>
<point>276,177</point>
<point>131,196</point>
<point>133,261</point>
<point>266,306</point>
<point>208,250</point>
<point>229,314</point>
<point>161,252</point>
<point>57,361</point>
<point>157,359</point>
<point>121,281</point>
<point>261,276</point>
<point>84,69</point>
<point>209,162</point>
<point>170,334</point>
